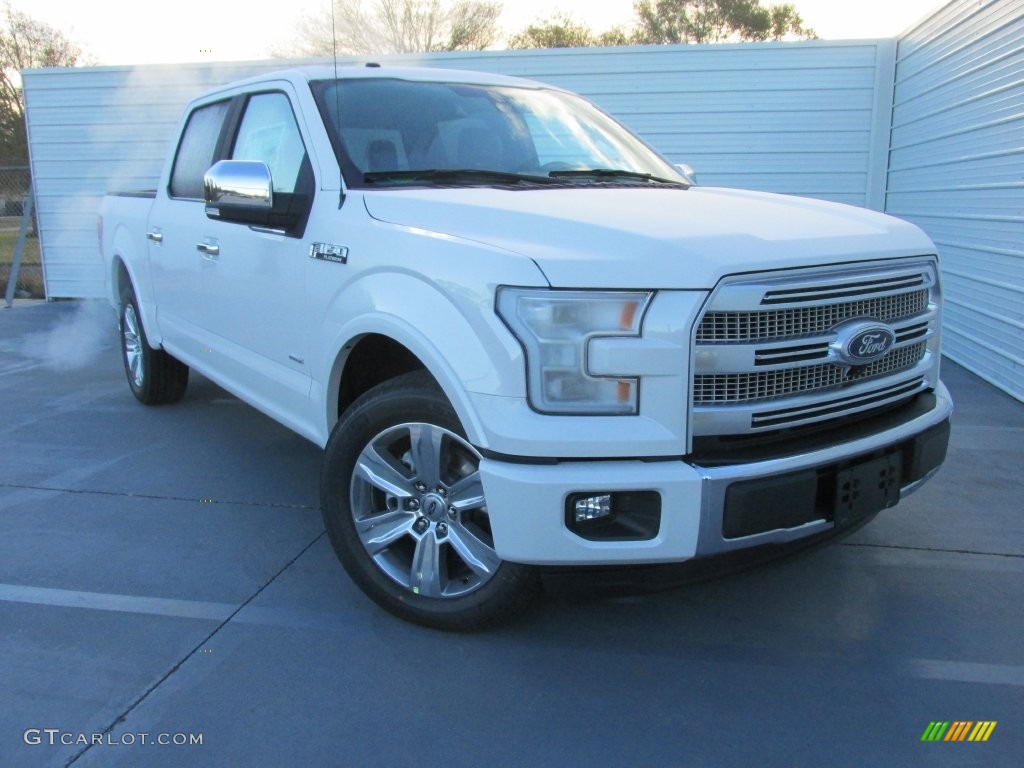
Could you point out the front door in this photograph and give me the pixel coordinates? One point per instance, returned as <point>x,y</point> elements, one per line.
<point>256,275</point>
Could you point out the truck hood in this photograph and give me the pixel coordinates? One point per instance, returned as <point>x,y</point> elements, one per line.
<point>629,237</point>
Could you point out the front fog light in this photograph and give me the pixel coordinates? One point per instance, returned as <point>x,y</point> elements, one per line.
<point>592,507</point>
<point>614,516</point>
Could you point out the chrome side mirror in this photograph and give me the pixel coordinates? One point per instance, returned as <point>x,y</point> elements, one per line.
<point>688,173</point>
<point>239,190</point>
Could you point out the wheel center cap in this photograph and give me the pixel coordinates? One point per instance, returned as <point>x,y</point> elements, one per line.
<point>433,505</point>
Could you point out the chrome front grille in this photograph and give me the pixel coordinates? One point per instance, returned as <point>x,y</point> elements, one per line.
<point>759,368</point>
<point>722,388</point>
<point>775,323</point>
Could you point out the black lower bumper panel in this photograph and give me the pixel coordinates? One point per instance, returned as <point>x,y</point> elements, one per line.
<point>842,493</point>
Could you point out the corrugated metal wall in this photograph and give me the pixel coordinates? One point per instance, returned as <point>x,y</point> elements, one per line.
<point>93,130</point>
<point>804,118</point>
<point>781,117</point>
<point>956,168</point>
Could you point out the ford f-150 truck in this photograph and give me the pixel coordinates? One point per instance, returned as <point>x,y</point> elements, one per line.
<point>522,336</point>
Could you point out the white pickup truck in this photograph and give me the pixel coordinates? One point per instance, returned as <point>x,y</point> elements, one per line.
<point>521,335</point>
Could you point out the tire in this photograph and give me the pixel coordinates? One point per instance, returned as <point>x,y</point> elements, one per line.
<point>403,506</point>
<point>153,375</point>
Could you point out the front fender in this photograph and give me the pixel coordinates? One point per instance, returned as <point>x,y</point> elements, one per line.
<point>457,338</point>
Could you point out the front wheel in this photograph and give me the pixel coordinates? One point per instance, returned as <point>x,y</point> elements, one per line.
<point>404,507</point>
<point>153,375</point>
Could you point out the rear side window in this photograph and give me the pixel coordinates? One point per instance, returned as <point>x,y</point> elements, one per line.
<point>196,150</point>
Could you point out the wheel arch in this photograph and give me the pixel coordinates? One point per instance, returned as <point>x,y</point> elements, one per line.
<point>394,323</point>
<point>122,277</point>
<point>127,270</point>
<point>371,357</point>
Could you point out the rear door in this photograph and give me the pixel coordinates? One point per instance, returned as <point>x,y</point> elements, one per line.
<point>177,223</point>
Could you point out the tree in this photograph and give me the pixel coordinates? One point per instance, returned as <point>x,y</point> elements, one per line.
<point>775,22</point>
<point>557,32</point>
<point>561,31</point>
<point>25,42</point>
<point>397,26</point>
<point>674,21</point>
<point>786,20</point>
<point>714,21</point>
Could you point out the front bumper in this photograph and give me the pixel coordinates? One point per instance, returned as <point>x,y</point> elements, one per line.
<point>707,510</point>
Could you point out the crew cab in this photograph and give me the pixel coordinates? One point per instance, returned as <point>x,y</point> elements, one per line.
<point>522,336</point>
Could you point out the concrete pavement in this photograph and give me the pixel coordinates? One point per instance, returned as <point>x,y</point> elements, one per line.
<point>163,571</point>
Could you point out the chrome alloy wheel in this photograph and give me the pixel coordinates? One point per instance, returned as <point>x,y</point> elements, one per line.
<point>419,510</point>
<point>132,341</point>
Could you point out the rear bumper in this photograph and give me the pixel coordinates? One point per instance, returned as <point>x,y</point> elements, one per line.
<point>707,510</point>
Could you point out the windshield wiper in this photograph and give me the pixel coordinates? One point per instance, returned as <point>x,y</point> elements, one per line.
<point>615,173</point>
<point>456,176</point>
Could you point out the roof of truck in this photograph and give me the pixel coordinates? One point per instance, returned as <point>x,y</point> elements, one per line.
<point>374,71</point>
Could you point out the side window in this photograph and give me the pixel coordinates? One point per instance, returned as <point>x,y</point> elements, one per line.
<point>268,133</point>
<point>196,150</point>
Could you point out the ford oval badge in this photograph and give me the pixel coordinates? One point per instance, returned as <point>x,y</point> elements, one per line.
<point>861,344</point>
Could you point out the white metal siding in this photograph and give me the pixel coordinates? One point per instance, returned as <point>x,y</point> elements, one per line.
<point>94,130</point>
<point>956,169</point>
<point>794,118</point>
<point>804,118</point>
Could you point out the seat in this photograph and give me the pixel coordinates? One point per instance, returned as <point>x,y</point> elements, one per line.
<point>381,155</point>
<point>479,148</point>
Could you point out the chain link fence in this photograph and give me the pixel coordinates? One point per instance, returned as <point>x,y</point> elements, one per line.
<point>15,182</point>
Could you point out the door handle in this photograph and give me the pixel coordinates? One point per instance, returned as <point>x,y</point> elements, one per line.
<point>208,249</point>
<point>155,236</point>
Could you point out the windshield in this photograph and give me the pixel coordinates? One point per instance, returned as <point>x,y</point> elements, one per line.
<point>392,131</point>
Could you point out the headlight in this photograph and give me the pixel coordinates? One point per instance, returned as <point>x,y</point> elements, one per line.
<point>554,328</point>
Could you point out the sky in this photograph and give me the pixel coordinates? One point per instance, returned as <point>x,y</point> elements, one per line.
<point>140,32</point>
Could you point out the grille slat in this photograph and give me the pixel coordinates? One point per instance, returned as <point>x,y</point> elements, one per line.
<point>840,406</point>
<point>839,290</point>
<point>723,327</point>
<point>724,388</point>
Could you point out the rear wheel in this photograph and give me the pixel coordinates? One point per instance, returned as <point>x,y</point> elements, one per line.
<point>405,510</point>
<point>153,375</point>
